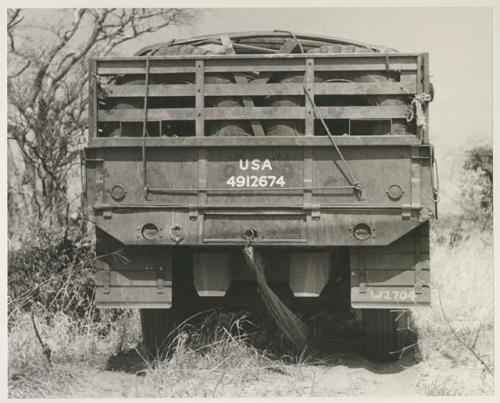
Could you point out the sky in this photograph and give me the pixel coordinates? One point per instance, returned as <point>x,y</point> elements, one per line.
<point>458,40</point>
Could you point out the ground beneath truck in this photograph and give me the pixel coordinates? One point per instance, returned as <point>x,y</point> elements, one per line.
<point>346,375</point>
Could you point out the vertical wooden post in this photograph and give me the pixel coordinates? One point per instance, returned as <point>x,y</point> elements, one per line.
<point>427,90</point>
<point>309,87</point>
<point>93,99</point>
<point>200,98</point>
<point>420,90</point>
<point>309,131</point>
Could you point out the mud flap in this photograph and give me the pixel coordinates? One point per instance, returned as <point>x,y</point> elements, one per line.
<point>136,281</point>
<point>394,276</point>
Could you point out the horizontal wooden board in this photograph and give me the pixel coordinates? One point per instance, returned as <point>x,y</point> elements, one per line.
<point>251,141</point>
<point>248,68</point>
<point>250,63</point>
<point>240,113</point>
<point>173,90</point>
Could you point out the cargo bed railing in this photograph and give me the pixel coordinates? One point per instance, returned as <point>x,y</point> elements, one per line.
<point>186,94</point>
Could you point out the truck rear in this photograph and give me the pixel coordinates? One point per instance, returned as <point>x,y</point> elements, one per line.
<point>314,150</point>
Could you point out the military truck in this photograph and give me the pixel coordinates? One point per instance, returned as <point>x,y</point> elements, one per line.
<point>313,149</point>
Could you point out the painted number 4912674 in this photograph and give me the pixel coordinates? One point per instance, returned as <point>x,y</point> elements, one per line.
<point>254,181</point>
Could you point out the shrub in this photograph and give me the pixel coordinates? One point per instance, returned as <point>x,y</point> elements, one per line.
<point>53,270</point>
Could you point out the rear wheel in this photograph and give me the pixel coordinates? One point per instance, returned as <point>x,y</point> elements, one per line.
<point>157,330</point>
<point>386,333</point>
<point>160,326</point>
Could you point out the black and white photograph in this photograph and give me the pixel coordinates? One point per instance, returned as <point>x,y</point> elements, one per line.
<point>260,202</point>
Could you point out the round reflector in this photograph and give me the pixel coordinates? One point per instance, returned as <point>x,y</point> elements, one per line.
<point>150,231</point>
<point>118,193</point>
<point>362,232</point>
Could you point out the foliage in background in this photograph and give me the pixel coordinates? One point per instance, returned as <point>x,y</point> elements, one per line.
<point>476,200</point>
<point>47,95</point>
<point>53,273</point>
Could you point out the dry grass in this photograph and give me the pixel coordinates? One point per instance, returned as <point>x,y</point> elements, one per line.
<point>213,358</point>
<point>88,344</point>
<point>462,302</point>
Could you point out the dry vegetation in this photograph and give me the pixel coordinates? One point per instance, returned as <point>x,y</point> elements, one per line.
<point>221,354</point>
<point>218,356</point>
<point>462,302</point>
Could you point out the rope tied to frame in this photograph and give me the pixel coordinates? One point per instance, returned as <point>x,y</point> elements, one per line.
<point>291,326</point>
<point>416,110</point>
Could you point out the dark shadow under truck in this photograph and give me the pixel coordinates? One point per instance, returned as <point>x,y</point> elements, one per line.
<point>314,149</point>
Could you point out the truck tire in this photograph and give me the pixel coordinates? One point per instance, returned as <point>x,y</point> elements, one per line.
<point>157,331</point>
<point>385,335</point>
<point>161,326</point>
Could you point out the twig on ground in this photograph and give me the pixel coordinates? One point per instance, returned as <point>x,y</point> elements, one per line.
<point>461,341</point>
<point>46,351</point>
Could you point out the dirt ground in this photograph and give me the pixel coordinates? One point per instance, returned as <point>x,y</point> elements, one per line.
<point>353,376</point>
<point>335,370</point>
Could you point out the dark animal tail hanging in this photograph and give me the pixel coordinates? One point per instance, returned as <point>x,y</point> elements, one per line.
<point>291,326</point>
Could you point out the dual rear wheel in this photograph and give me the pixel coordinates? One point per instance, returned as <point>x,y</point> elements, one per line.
<point>387,333</point>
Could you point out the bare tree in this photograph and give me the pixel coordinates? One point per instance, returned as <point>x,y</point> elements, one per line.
<point>47,90</point>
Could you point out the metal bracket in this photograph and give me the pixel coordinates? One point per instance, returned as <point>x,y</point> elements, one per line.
<point>406,211</point>
<point>315,210</point>
<point>362,274</point>
<point>360,193</point>
<point>106,283</point>
<point>193,213</point>
<point>418,265</point>
<point>160,281</point>
<point>105,271</point>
